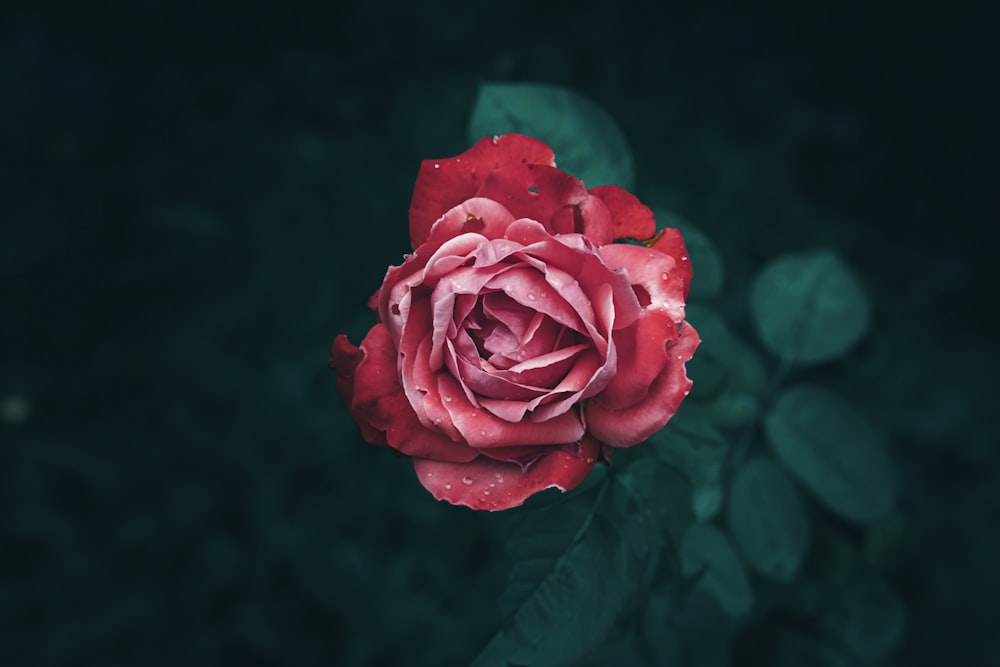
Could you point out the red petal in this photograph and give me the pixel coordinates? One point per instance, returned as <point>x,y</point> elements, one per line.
<point>671,242</point>
<point>534,191</point>
<point>632,219</point>
<point>344,358</point>
<point>632,425</point>
<point>487,484</point>
<point>642,354</point>
<point>445,183</point>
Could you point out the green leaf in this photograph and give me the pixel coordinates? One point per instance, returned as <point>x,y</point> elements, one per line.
<point>707,548</point>
<point>869,619</point>
<point>562,597</point>
<point>692,445</point>
<point>808,308</point>
<point>768,519</point>
<point>705,258</point>
<point>587,142</point>
<point>834,451</point>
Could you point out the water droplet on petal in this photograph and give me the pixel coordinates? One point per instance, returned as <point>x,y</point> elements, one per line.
<point>664,276</point>
<point>531,296</point>
<point>499,478</point>
<point>447,399</point>
<point>447,487</point>
<point>467,481</point>
<point>486,492</point>
<point>492,484</point>
<point>430,474</point>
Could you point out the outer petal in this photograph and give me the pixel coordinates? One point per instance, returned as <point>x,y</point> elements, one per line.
<point>380,404</point>
<point>670,241</point>
<point>632,425</point>
<point>632,219</point>
<point>344,358</point>
<point>534,191</point>
<point>488,484</point>
<point>642,355</point>
<point>653,273</point>
<point>445,183</point>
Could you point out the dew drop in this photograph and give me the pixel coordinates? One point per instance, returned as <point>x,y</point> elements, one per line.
<point>486,492</point>
<point>531,296</point>
<point>447,487</point>
<point>590,459</point>
<point>684,258</point>
<point>493,504</point>
<point>467,481</point>
<point>499,478</point>
<point>492,484</point>
<point>430,474</point>
<point>447,399</point>
<point>437,166</point>
<point>664,276</point>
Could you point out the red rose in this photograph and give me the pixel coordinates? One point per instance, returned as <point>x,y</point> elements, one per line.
<point>518,344</point>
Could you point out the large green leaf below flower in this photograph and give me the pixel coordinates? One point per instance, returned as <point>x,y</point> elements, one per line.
<point>578,564</point>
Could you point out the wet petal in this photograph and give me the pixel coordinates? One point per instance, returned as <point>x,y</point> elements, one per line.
<point>445,183</point>
<point>632,425</point>
<point>488,484</point>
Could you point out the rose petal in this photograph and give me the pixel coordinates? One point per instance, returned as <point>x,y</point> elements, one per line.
<point>632,425</point>
<point>488,484</point>
<point>482,429</point>
<point>631,218</point>
<point>652,271</point>
<point>642,354</point>
<point>380,402</point>
<point>476,215</point>
<point>445,183</point>
<point>344,359</point>
<point>533,191</point>
<point>671,243</point>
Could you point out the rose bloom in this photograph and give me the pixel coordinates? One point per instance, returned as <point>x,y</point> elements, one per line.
<point>519,345</point>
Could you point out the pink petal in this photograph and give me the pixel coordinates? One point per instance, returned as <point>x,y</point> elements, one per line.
<point>476,215</point>
<point>654,272</point>
<point>632,219</point>
<point>445,183</point>
<point>488,484</point>
<point>632,425</point>
<point>380,403</point>
<point>481,428</point>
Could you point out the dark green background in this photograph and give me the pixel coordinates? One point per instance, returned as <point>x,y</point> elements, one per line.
<point>197,198</point>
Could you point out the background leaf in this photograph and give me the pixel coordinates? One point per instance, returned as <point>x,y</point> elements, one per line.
<point>834,450</point>
<point>587,141</point>
<point>809,307</point>
<point>768,519</point>
<point>707,548</point>
<point>691,444</point>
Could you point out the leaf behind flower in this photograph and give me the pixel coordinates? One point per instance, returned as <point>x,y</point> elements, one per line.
<point>585,138</point>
